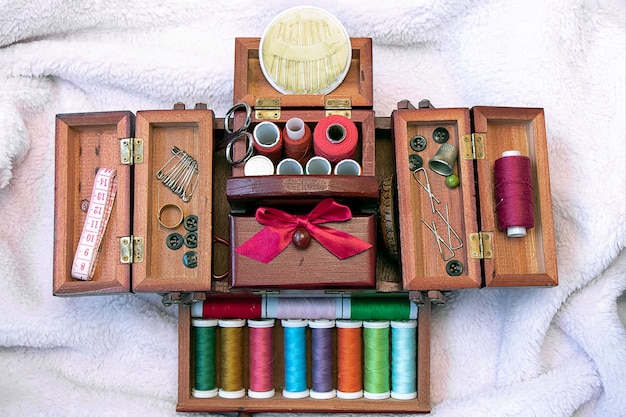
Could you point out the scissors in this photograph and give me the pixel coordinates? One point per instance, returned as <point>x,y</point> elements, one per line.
<point>232,136</point>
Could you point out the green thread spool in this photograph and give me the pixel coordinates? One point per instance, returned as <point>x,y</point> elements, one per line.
<point>204,331</point>
<point>381,307</point>
<point>376,367</point>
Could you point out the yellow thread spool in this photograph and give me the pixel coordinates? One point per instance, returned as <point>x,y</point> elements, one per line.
<point>232,358</point>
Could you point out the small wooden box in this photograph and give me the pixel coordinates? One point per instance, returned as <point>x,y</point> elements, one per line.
<point>313,267</point>
<point>352,98</point>
<point>88,141</point>
<point>487,256</point>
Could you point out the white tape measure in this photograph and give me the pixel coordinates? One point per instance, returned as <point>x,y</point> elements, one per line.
<point>100,206</point>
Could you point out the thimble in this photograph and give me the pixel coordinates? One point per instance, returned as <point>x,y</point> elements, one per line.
<point>443,161</point>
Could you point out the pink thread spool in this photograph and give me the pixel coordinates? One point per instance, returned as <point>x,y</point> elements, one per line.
<point>514,193</point>
<point>261,358</point>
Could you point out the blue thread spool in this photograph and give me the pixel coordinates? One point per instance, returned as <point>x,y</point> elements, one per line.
<point>294,332</point>
<point>403,360</point>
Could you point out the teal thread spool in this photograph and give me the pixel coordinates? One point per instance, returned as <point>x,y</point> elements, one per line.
<point>294,332</point>
<point>403,360</point>
<point>376,360</point>
<point>203,333</point>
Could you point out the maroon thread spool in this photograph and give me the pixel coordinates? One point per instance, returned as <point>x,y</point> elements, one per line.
<point>514,193</point>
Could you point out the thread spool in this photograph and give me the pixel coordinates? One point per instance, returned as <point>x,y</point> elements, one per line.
<point>258,165</point>
<point>403,360</point>
<point>381,307</point>
<point>443,161</point>
<point>322,359</point>
<point>289,166</point>
<point>261,358</point>
<point>297,140</point>
<point>303,307</point>
<point>349,359</point>
<point>224,307</point>
<point>294,332</point>
<point>231,335</point>
<point>335,138</point>
<point>376,360</point>
<point>348,167</point>
<point>203,331</point>
<point>318,165</point>
<point>513,185</point>
<point>268,141</point>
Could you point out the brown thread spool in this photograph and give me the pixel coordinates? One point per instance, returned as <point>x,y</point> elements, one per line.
<point>231,333</point>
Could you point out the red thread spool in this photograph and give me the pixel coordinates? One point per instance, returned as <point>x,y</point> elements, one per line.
<point>261,358</point>
<point>335,138</point>
<point>268,140</point>
<point>514,193</point>
<point>229,307</point>
<point>298,140</point>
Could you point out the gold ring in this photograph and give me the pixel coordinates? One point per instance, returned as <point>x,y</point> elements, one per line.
<point>169,207</point>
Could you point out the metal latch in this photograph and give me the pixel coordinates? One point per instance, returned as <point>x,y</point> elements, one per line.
<point>481,245</point>
<point>132,249</point>
<point>341,106</point>
<point>267,108</point>
<point>131,151</point>
<point>473,146</point>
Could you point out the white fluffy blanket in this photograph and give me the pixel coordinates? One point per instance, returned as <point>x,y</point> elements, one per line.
<point>507,352</point>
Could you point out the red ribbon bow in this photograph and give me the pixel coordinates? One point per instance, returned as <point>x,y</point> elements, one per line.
<point>270,241</point>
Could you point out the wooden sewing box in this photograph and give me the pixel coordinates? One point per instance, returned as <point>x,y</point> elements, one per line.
<point>388,206</point>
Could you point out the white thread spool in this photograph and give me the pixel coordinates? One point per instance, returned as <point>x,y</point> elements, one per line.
<point>258,165</point>
<point>318,165</point>
<point>347,167</point>
<point>289,166</point>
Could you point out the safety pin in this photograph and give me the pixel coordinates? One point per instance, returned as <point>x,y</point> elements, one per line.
<point>426,187</point>
<point>446,220</point>
<point>439,240</point>
<point>160,174</point>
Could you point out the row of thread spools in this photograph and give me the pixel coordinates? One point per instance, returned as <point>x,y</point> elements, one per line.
<point>330,148</point>
<point>375,359</point>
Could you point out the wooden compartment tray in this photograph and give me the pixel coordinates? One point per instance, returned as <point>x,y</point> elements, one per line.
<point>487,256</point>
<point>88,141</point>
<point>278,403</point>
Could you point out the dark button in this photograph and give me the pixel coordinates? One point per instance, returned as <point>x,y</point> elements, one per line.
<point>415,161</point>
<point>441,135</point>
<point>301,238</point>
<point>190,259</point>
<point>418,143</point>
<point>454,268</point>
<point>174,240</point>
<point>191,239</point>
<point>191,223</point>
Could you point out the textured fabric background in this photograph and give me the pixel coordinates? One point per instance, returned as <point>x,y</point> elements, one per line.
<point>506,352</point>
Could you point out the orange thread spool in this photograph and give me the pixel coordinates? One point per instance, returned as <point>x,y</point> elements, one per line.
<point>349,359</point>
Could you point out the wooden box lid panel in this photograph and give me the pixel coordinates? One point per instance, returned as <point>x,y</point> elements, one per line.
<point>241,190</point>
<point>251,84</point>
<point>162,269</point>
<point>86,142</point>
<point>188,403</point>
<point>530,260</point>
<point>313,267</point>
<point>423,266</point>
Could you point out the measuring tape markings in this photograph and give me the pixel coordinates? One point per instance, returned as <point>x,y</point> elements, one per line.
<point>100,207</point>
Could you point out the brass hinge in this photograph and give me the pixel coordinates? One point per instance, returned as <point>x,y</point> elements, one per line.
<point>132,249</point>
<point>481,246</point>
<point>473,146</point>
<point>341,106</point>
<point>131,151</point>
<point>267,108</point>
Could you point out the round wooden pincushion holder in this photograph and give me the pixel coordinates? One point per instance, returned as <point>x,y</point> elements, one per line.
<point>388,216</point>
